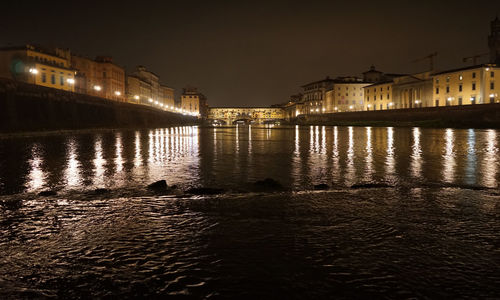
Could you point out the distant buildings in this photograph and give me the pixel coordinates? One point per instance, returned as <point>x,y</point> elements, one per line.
<point>476,84</point>
<point>230,115</point>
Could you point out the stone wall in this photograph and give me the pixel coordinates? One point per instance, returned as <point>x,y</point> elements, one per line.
<point>465,116</point>
<point>26,107</point>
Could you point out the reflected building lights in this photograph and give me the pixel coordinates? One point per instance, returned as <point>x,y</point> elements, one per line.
<point>369,155</point>
<point>99,163</point>
<point>118,149</point>
<point>416,154</point>
<point>137,157</point>
<point>390,160</point>
<point>490,162</point>
<point>350,170</point>
<point>449,156</point>
<point>72,172</point>
<point>470,170</point>
<point>36,176</point>
<point>323,140</point>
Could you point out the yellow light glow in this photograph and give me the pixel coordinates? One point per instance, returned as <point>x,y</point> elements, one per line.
<point>136,97</point>
<point>97,87</point>
<point>70,81</point>
<point>117,93</point>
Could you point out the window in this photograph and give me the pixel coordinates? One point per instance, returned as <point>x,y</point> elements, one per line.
<point>437,102</point>
<point>492,74</point>
<point>473,86</point>
<point>381,107</point>
<point>44,77</point>
<point>492,85</point>
<point>437,90</point>
<point>459,100</point>
<point>53,79</point>
<point>367,98</point>
<point>473,74</point>
<point>447,89</point>
<point>437,80</point>
<point>460,87</point>
<point>61,80</point>
<point>447,78</point>
<point>375,98</point>
<point>387,96</point>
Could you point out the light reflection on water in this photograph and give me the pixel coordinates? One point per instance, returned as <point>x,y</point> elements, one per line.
<point>230,156</point>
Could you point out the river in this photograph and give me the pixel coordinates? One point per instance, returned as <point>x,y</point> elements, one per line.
<point>408,213</point>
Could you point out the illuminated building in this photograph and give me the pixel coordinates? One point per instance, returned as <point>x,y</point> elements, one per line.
<point>36,65</point>
<point>471,85</point>
<point>143,87</point>
<point>412,91</point>
<point>346,94</point>
<point>248,114</point>
<point>314,95</point>
<point>193,102</point>
<point>378,96</point>
<point>99,77</point>
<point>167,97</point>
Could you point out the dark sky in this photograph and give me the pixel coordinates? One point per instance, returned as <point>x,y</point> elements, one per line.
<point>256,53</point>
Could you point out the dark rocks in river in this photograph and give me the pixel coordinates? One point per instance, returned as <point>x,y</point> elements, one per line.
<point>158,186</point>
<point>321,187</point>
<point>370,185</point>
<point>47,193</point>
<point>268,184</point>
<point>204,191</point>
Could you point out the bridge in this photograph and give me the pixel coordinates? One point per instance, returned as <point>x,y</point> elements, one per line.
<point>246,115</point>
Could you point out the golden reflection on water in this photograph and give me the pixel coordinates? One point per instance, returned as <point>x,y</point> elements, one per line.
<point>490,160</point>
<point>390,160</point>
<point>470,169</point>
<point>350,170</point>
<point>99,162</point>
<point>449,156</point>
<point>416,154</point>
<point>369,155</point>
<point>72,171</point>
<point>323,141</point>
<point>118,156</point>
<point>36,176</point>
<point>237,139</point>
<point>336,155</point>
<point>137,156</point>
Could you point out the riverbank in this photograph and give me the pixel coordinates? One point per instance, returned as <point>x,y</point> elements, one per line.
<point>29,108</point>
<point>465,116</point>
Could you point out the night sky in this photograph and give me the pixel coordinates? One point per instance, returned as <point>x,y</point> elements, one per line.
<point>256,53</point>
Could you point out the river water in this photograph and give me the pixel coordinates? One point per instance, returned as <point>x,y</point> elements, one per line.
<point>409,213</point>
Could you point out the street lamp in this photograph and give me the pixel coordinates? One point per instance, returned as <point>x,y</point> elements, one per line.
<point>97,87</point>
<point>33,71</point>
<point>118,93</point>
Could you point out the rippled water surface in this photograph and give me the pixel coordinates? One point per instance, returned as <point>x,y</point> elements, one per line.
<point>409,213</point>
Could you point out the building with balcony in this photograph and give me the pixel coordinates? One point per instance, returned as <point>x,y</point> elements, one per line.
<point>36,65</point>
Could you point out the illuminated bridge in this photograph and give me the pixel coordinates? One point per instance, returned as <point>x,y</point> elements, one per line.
<point>247,115</point>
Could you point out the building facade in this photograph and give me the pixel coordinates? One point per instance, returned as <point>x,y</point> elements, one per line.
<point>378,96</point>
<point>412,91</point>
<point>45,67</point>
<point>193,102</point>
<point>143,87</point>
<point>99,77</point>
<point>346,94</point>
<point>167,97</point>
<point>314,95</point>
<point>471,85</point>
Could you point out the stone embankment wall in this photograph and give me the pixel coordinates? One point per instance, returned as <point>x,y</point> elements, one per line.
<point>465,116</point>
<point>26,107</point>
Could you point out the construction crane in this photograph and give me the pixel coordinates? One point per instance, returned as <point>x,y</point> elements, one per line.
<point>430,57</point>
<point>474,58</point>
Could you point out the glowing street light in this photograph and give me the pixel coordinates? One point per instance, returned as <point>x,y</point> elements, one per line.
<point>70,81</point>
<point>336,108</point>
<point>391,104</point>
<point>417,101</point>
<point>351,107</point>
<point>449,98</point>
<point>33,71</point>
<point>136,97</point>
<point>156,102</point>
<point>118,93</point>
<point>97,88</point>
<point>150,100</point>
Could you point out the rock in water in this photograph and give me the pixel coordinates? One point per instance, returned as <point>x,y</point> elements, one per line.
<point>158,186</point>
